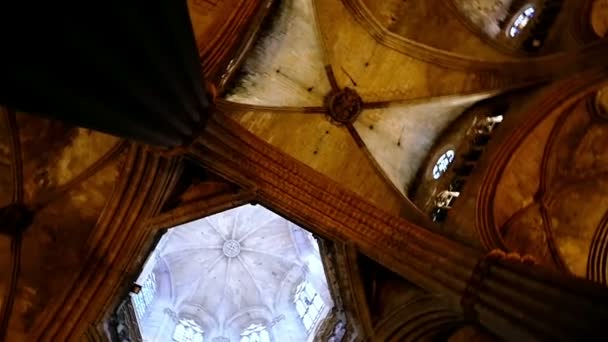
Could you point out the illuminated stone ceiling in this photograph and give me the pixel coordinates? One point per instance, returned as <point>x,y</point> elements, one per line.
<point>486,14</point>
<point>234,269</point>
<point>387,133</point>
<point>286,67</point>
<point>288,75</point>
<point>411,87</point>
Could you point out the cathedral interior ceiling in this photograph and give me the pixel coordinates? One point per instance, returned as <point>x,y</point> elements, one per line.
<point>550,201</point>
<point>287,67</point>
<point>312,139</point>
<point>377,70</point>
<point>405,89</point>
<point>572,173</point>
<point>67,175</point>
<point>281,89</point>
<point>236,268</point>
<point>400,137</point>
<point>406,80</point>
<point>428,21</point>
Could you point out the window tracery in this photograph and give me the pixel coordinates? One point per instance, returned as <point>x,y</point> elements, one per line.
<point>443,163</point>
<point>255,333</point>
<point>143,300</point>
<point>308,305</point>
<point>188,331</point>
<point>521,21</point>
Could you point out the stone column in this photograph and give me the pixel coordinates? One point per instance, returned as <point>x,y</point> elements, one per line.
<point>513,299</point>
<point>112,78</point>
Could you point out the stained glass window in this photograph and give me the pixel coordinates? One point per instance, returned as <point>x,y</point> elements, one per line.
<point>255,333</point>
<point>308,305</point>
<point>522,20</point>
<point>187,331</point>
<point>443,163</point>
<point>143,300</point>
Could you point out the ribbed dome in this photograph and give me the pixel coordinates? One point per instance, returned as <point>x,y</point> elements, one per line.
<point>234,269</point>
<point>233,260</point>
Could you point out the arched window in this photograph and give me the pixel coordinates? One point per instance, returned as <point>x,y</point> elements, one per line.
<point>255,333</point>
<point>308,304</point>
<point>143,300</point>
<point>187,331</point>
<point>521,21</point>
<point>442,164</point>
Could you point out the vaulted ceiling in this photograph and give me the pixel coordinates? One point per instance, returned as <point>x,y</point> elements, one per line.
<point>68,174</point>
<point>413,81</point>
<point>416,67</point>
<point>234,269</point>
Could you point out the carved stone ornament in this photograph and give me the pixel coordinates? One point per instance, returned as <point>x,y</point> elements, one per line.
<point>231,248</point>
<point>344,106</point>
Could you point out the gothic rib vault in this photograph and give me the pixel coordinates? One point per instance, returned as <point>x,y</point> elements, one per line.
<point>101,199</point>
<point>232,270</point>
<point>406,102</point>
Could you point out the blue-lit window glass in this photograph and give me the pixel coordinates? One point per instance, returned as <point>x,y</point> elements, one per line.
<point>442,164</point>
<point>522,20</point>
<point>143,300</point>
<point>255,333</point>
<point>308,305</point>
<point>187,331</point>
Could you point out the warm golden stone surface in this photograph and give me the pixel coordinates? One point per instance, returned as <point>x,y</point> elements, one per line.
<point>100,201</point>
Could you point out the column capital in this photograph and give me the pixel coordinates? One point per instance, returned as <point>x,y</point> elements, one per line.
<point>481,272</point>
<point>517,299</point>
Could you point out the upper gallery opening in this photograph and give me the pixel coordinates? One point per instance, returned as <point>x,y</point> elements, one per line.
<point>245,274</point>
